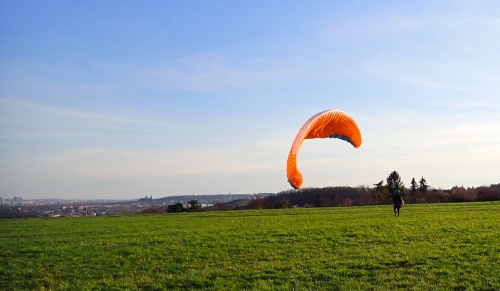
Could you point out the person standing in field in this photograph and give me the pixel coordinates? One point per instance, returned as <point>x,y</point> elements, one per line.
<point>398,202</point>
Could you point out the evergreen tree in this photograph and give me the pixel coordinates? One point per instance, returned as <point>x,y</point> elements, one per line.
<point>423,185</point>
<point>414,186</point>
<point>394,183</point>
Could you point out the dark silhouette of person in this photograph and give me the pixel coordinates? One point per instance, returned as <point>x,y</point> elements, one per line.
<point>398,202</point>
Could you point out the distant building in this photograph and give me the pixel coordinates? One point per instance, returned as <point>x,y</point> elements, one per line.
<point>1,200</point>
<point>146,199</point>
<point>17,200</point>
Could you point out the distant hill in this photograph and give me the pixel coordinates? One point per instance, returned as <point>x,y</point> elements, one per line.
<point>209,198</point>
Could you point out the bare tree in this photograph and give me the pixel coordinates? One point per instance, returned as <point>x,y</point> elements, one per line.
<point>379,192</point>
<point>319,201</point>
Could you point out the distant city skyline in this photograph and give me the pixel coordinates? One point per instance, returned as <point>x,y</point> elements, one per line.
<point>117,100</point>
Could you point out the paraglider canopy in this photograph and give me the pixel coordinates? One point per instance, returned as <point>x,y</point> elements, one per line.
<point>329,123</point>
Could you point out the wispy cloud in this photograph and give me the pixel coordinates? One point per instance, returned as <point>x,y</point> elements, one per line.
<point>472,104</point>
<point>24,120</point>
<point>208,74</point>
<point>29,107</point>
<point>93,165</point>
<point>205,73</point>
<point>412,72</point>
<point>373,27</point>
<point>397,22</point>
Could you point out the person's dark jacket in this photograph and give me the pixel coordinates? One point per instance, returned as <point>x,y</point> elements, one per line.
<point>397,199</point>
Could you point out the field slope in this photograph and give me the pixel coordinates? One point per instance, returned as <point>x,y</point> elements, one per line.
<point>430,247</point>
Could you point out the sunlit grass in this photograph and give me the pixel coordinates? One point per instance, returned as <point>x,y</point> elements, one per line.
<point>430,247</point>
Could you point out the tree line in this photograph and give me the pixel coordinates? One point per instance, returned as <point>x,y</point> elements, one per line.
<point>381,193</point>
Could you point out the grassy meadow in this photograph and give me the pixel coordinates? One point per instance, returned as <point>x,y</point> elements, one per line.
<point>429,247</point>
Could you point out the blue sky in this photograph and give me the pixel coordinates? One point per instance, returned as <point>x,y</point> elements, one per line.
<point>121,99</point>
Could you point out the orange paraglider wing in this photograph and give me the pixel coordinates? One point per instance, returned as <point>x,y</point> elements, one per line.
<point>329,123</point>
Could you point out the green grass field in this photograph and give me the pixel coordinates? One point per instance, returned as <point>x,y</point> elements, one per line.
<point>430,247</point>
